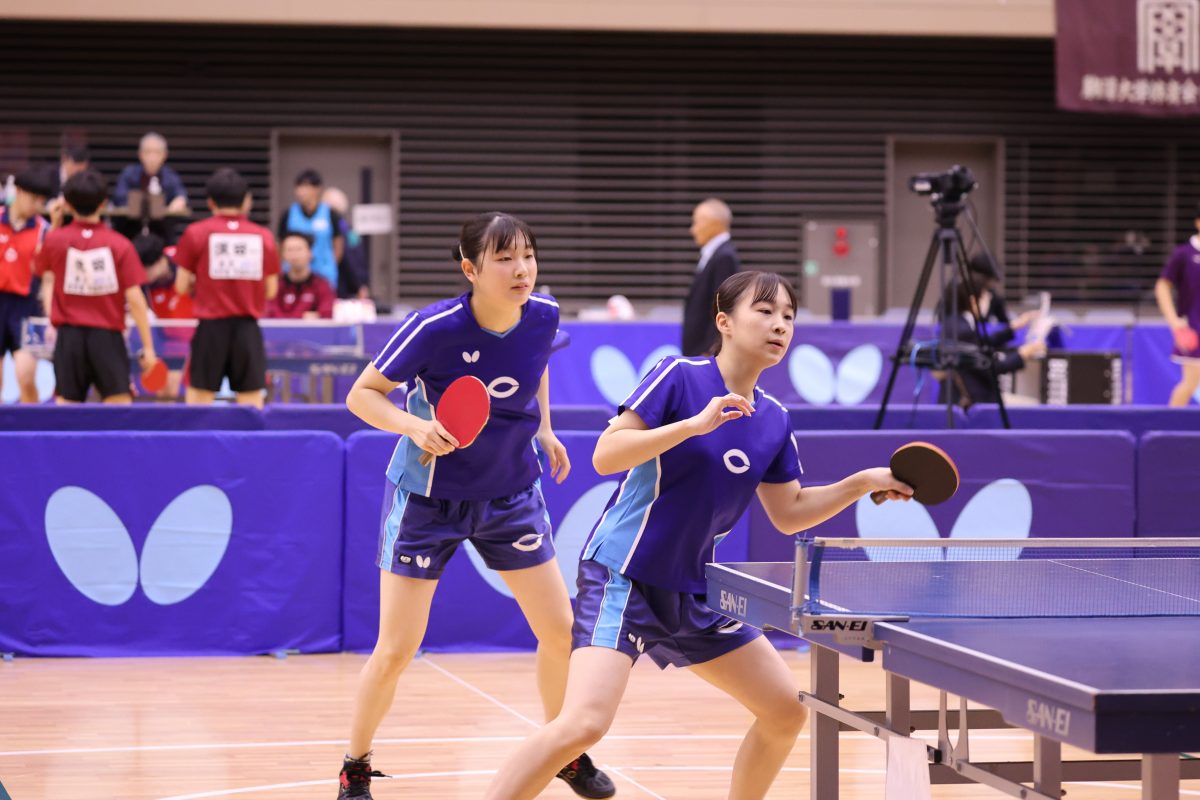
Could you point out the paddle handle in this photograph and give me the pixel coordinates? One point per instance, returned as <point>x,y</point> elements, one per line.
<point>425,458</point>
<point>878,497</point>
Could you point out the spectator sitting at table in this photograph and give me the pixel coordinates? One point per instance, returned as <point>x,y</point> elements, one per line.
<point>354,272</point>
<point>310,215</point>
<point>303,294</point>
<point>152,176</point>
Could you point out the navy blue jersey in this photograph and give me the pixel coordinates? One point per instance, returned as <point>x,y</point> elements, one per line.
<point>442,342</point>
<point>667,514</point>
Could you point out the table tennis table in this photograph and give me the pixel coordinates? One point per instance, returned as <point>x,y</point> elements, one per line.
<point>1100,652</point>
<point>321,350</point>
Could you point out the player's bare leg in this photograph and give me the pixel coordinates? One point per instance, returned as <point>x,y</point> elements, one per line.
<point>25,367</point>
<point>595,684</point>
<point>252,398</point>
<point>403,615</point>
<point>542,596</point>
<point>758,678</point>
<point>1183,392</point>
<point>199,397</point>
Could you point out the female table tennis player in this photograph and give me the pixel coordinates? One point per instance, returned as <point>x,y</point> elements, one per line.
<point>501,333</point>
<point>1181,276</point>
<point>696,440</point>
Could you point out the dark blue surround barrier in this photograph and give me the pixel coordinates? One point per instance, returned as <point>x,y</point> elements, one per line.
<point>170,543</point>
<point>128,543</point>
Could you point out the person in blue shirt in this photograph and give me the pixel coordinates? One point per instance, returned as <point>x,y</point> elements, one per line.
<point>313,216</point>
<point>488,493</point>
<point>696,441</point>
<point>152,176</point>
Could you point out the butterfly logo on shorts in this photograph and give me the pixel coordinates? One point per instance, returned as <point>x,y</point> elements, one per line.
<point>96,554</point>
<point>816,380</point>
<point>615,375</point>
<point>571,535</point>
<point>1001,510</point>
<point>423,562</point>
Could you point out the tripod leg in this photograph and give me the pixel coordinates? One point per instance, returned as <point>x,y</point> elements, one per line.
<point>909,324</point>
<point>964,274</point>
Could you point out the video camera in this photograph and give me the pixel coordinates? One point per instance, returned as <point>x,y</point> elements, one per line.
<point>949,186</point>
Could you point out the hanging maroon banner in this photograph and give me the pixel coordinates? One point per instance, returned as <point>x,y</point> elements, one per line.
<point>1129,56</point>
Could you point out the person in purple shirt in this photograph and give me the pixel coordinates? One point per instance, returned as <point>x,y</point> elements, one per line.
<point>1181,277</point>
<point>696,440</point>
<point>489,493</point>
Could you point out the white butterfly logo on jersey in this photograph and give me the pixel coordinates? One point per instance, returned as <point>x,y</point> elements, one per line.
<point>95,552</point>
<point>1001,510</point>
<point>471,358</point>
<point>815,379</point>
<point>614,374</point>
<point>572,534</point>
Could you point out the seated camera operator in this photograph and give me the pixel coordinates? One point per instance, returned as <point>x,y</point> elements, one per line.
<point>971,381</point>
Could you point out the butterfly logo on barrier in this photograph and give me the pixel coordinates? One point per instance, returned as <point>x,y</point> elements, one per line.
<point>1001,510</point>
<point>816,380</point>
<point>568,542</point>
<point>614,374</point>
<point>96,554</point>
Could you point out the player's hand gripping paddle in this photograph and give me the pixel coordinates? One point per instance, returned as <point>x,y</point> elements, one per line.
<point>1186,339</point>
<point>927,469</point>
<point>463,411</point>
<point>154,377</point>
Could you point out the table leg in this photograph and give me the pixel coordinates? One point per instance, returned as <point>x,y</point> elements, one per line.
<point>824,763</point>
<point>897,708</point>
<point>1160,776</point>
<point>1047,765</point>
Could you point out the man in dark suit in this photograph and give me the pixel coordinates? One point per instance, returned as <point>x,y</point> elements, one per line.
<point>718,260</point>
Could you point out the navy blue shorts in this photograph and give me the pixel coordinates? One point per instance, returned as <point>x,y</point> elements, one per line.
<point>419,534</point>
<point>14,309</point>
<point>675,628</point>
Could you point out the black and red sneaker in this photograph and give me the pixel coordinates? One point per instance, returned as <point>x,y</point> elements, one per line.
<point>585,780</point>
<point>355,778</point>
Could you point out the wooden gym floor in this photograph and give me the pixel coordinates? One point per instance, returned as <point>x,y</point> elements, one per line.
<point>191,728</point>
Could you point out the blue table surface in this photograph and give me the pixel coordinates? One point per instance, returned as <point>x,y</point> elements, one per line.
<point>1079,644</point>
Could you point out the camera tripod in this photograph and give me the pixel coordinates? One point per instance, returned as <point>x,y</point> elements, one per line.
<point>948,353</point>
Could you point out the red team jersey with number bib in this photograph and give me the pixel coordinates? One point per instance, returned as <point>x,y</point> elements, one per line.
<point>231,258</point>
<point>93,265</point>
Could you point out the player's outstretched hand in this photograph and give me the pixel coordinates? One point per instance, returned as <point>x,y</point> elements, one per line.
<point>881,479</point>
<point>431,437</point>
<point>560,463</point>
<point>719,411</point>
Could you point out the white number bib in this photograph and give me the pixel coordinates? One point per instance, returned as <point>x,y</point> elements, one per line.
<point>90,273</point>
<point>235,257</point>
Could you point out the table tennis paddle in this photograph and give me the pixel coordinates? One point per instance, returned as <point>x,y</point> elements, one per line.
<point>1186,339</point>
<point>927,469</point>
<point>155,378</point>
<point>463,411</point>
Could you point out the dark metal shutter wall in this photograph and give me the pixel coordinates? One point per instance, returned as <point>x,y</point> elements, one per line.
<point>604,142</point>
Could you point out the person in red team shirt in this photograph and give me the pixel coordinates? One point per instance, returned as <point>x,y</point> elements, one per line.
<point>231,267</point>
<point>165,302</point>
<point>21,234</point>
<point>303,294</point>
<point>89,272</point>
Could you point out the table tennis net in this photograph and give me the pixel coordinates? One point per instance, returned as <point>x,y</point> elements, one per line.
<point>173,337</point>
<point>1005,578</point>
